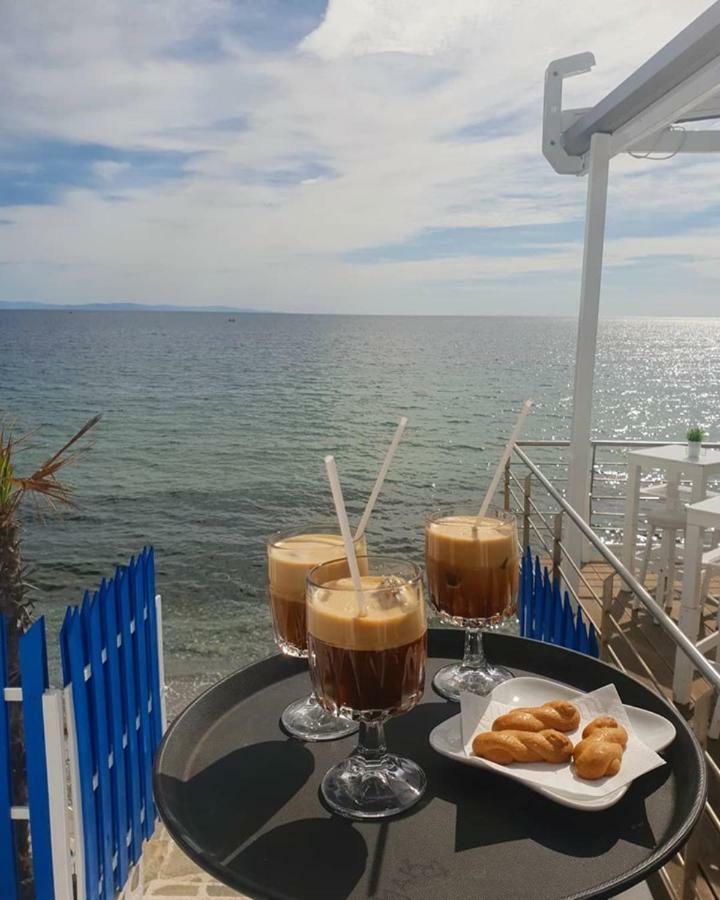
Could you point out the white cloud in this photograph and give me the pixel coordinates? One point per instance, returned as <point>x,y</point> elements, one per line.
<point>108,170</point>
<point>347,146</point>
<point>359,27</point>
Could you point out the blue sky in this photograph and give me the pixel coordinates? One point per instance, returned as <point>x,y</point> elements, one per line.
<point>362,156</point>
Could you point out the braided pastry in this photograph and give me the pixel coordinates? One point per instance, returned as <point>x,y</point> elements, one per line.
<point>600,752</point>
<point>557,714</point>
<point>505,747</point>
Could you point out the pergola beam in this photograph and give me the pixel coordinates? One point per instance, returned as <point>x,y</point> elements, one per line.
<point>676,140</point>
<point>670,108</point>
<point>682,59</point>
<point>680,83</point>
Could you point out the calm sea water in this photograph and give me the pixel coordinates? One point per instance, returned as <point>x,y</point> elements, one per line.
<point>214,432</point>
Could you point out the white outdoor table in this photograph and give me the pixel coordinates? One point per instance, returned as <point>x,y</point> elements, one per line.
<point>700,516</point>
<point>673,459</point>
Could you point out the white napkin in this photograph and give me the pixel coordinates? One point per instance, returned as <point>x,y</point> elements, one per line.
<point>478,714</point>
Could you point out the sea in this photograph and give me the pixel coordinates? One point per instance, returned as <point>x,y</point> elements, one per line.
<point>214,428</point>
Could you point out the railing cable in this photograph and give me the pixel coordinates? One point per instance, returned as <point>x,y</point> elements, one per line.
<point>666,623</point>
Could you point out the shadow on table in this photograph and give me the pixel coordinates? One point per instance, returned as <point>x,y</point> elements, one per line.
<point>491,809</point>
<point>233,799</point>
<point>306,859</point>
<point>227,803</point>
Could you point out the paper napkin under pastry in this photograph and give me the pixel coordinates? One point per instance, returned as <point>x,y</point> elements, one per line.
<point>478,714</point>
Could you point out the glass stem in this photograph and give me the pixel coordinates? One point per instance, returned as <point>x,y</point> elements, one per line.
<point>474,655</point>
<point>371,745</point>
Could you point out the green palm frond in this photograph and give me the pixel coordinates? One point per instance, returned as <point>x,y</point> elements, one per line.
<point>6,476</point>
<point>43,483</point>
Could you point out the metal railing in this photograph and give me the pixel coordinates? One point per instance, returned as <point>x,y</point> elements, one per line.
<point>608,477</point>
<point>545,516</point>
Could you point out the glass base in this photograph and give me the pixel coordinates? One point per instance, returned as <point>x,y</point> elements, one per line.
<point>450,680</point>
<point>361,789</point>
<point>306,720</point>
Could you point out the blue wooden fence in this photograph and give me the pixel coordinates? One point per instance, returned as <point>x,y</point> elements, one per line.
<point>46,793</point>
<point>111,663</point>
<point>545,615</point>
<point>111,652</point>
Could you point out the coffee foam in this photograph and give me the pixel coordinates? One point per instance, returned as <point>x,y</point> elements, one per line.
<point>395,616</point>
<point>489,542</point>
<point>290,559</point>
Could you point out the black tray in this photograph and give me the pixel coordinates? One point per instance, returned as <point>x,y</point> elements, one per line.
<point>242,799</point>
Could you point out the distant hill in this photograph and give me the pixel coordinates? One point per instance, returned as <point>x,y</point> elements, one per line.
<point>123,307</point>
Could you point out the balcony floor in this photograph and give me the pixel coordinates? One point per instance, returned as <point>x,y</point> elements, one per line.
<point>651,642</point>
<point>658,653</point>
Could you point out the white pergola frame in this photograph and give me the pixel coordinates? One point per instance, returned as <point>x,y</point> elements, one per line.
<point>680,83</point>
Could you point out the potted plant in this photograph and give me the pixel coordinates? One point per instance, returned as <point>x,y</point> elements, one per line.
<point>695,437</point>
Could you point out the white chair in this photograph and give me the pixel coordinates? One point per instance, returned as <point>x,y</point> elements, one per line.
<point>667,519</point>
<point>710,565</point>
<point>683,492</point>
<point>660,491</point>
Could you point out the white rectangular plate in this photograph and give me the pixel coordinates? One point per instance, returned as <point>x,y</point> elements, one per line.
<point>653,730</point>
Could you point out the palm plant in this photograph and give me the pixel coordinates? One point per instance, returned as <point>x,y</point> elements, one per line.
<point>41,487</point>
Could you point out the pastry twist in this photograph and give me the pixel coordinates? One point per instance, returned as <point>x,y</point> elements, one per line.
<point>557,714</point>
<point>505,747</point>
<point>600,752</point>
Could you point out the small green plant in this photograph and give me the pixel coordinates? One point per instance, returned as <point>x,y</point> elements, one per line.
<point>695,434</point>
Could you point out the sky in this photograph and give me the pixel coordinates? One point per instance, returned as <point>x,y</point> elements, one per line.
<point>356,156</point>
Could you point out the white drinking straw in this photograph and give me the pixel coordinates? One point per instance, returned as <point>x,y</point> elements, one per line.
<point>527,405</point>
<point>342,518</point>
<point>381,477</point>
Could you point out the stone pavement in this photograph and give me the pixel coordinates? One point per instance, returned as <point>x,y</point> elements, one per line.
<point>167,872</point>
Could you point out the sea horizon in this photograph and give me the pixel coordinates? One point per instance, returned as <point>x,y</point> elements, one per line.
<point>9,306</point>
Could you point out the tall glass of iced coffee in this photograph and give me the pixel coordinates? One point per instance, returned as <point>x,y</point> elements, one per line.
<point>473,573</point>
<point>367,661</point>
<point>290,556</point>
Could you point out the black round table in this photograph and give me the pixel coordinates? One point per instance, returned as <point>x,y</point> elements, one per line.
<point>242,799</point>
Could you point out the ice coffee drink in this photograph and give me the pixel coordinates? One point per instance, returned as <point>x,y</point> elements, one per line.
<point>290,556</point>
<point>473,573</point>
<point>472,568</point>
<point>369,666</point>
<point>367,661</point>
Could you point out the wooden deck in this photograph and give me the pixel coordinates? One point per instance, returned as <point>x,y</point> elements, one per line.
<point>658,653</point>
<point>650,641</point>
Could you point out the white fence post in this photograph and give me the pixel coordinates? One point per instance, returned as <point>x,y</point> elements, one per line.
<point>161,658</point>
<point>57,794</point>
<point>74,771</point>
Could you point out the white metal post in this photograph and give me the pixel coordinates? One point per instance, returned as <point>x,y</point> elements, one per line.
<point>580,448</point>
